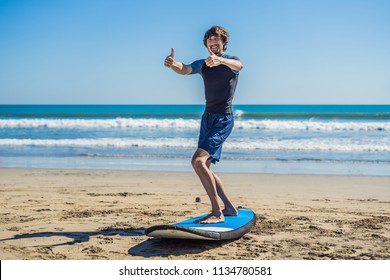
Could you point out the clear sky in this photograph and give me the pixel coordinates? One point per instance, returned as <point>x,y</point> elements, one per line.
<point>112,51</point>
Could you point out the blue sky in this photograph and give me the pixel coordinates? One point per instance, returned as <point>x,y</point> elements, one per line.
<point>112,51</point>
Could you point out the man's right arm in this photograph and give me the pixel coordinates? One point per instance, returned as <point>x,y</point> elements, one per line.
<point>181,68</point>
<point>176,66</point>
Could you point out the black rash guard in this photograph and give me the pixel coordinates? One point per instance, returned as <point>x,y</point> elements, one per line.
<point>220,83</point>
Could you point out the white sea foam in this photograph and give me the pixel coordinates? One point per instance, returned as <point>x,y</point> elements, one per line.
<point>238,113</point>
<point>313,125</point>
<point>179,123</point>
<point>99,123</point>
<point>330,145</point>
<point>103,142</point>
<point>313,144</point>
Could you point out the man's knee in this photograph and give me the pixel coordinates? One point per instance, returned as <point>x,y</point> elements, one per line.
<point>200,159</point>
<point>200,163</point>
<point>197,162</point>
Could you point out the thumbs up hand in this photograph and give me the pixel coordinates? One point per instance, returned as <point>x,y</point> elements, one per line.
<point>170,59</point>
<point>213,60</point>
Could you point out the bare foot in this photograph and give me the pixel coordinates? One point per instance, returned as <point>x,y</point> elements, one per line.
<point>230,212</point>
<point>211,219</point>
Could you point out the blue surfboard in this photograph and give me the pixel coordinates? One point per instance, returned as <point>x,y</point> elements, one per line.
<point>232,228</point>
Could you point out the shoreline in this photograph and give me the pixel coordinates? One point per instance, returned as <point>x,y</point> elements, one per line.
<point>331,168</point>
<point>190,171</point>
<point>101,214</point>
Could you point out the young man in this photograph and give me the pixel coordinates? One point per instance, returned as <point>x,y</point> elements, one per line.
<point>220,75</point>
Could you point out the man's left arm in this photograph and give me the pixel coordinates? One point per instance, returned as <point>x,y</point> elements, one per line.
<point>233,64</point>
<point>214,60</point>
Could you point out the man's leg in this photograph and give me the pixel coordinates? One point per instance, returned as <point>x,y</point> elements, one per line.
<point>201,166</point>
<point>229,209</point>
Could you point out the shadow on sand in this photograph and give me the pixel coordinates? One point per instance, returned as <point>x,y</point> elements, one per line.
<point>79,237</point>
<point>159,247</point>
<point>153,247</point>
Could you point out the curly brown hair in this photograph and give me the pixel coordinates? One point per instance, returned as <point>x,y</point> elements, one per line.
<point>217,31</point>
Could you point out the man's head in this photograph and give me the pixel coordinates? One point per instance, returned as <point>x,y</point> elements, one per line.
<point>216,38</point>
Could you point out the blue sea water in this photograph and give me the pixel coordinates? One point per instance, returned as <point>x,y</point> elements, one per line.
<point>294,139</point>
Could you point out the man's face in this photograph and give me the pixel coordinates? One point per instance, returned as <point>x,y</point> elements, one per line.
<point>215,44</point>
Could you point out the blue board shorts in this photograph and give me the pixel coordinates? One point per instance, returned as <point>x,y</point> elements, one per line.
<point>214,130</point>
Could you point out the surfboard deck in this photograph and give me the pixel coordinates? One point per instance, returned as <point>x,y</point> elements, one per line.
<point>232,228</point>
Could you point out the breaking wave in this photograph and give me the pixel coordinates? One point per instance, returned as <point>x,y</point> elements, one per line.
<point>314,144</point>
<point>146,123</point>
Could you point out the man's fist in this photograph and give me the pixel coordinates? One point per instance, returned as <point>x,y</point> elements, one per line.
<point>170,59</point>
<point>213,60</point>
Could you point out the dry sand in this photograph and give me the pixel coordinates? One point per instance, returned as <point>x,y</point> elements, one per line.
<point>85,214</point>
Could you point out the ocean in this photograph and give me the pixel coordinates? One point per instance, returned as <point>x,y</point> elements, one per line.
<point>276,139</point>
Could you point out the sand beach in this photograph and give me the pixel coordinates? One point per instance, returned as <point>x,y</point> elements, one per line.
<point>92,214</point>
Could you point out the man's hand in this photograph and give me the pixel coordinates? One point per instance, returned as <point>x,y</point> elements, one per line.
<point>213,60</point>
<point>170,59</point>
<point>177,66</point>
